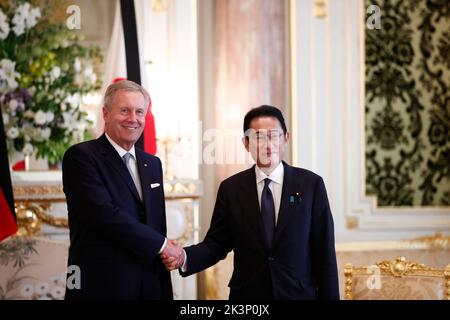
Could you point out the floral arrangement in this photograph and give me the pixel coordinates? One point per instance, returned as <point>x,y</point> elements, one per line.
<point>44,73</point>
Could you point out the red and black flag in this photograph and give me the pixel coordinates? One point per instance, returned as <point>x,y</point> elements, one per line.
<point>8,224</point>
<point>132,54</point>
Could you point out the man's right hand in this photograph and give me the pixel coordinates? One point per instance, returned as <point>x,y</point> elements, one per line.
<point>172,255</point>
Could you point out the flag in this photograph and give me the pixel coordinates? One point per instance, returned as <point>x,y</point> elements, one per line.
<point>149,131</point>
<point>123,62</point>
<point>8,224</point>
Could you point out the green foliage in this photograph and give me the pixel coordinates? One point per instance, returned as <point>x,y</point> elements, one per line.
<point>44,73</point>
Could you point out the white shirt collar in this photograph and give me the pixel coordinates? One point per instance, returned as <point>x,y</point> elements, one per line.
<point>276,175</point>
<point>121,151</point>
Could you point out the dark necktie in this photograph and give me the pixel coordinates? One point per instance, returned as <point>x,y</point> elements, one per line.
<point>126,159</point>
<point>268,212</point>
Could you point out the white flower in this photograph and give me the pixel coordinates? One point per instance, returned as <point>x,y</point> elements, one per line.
<point>59,280</point>
<point>8,75</point>
<point>13,104</point>
<point>77,65</point>
<point>42,288</point>
<point>12,83</point>
<point>45,133</point>
<point>50,116</point>
<point>59,93</point>
<point>90,75</point>
<point>33,17</point>
<point>67,119</point>
<point>4,26</point>
<point>19,24</point>
<point>73,100</point>
<point>27,290</point>
<point>32,90</point>
<point>55,73</point>
<point>40,117</point>
<point>7,65</point>
<point>57,293</point>
<point>23,9</point>
<point>5,119</point>
<point>12,133</point>
<point>27,149</point>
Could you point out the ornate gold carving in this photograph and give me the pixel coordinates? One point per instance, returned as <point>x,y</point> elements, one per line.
<point>447,282</point>
<point>27,222</point>
<point>348,272</point>
<point>30,191</point>
<point>400,267</point>
<point>31,215</point>
<point>437,241</point>
<point>34,201</point>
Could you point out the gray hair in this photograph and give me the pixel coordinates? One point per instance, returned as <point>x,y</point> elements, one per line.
<point>123,85</point>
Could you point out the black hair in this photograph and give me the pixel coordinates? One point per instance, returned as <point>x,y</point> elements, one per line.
<point>264,111</point>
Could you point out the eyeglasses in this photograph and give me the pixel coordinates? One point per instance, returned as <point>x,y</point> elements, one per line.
<point>273,136</point>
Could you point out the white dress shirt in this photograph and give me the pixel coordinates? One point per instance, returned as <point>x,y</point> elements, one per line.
<point>275,186</point>
<point>133,165</point>
<point>133,162</point>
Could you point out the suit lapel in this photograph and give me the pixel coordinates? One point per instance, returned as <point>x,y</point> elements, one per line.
<point>286,207</point>
<point>249,200</point>
<point>113,159</point>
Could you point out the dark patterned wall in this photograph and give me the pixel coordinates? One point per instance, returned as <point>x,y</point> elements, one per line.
<point>407,99</point>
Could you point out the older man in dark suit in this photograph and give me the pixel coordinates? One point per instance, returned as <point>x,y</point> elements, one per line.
<point>275,217</point>
<point>116,207</point>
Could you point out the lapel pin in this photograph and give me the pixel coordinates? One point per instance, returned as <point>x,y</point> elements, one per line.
<point>294,198</point>
<point>145,164</point>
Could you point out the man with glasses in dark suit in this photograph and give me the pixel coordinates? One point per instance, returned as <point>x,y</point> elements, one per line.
<point>277,220</point>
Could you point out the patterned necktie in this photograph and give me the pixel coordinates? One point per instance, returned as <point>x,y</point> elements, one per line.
<point>126,159</point>
<point>268,212</point>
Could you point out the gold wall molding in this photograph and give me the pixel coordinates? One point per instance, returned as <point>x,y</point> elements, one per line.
<point>42,191</point>
<point>437,241</point>
<point>33,202</point>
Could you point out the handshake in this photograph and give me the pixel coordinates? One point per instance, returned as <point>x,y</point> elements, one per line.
<point>172,256</point>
